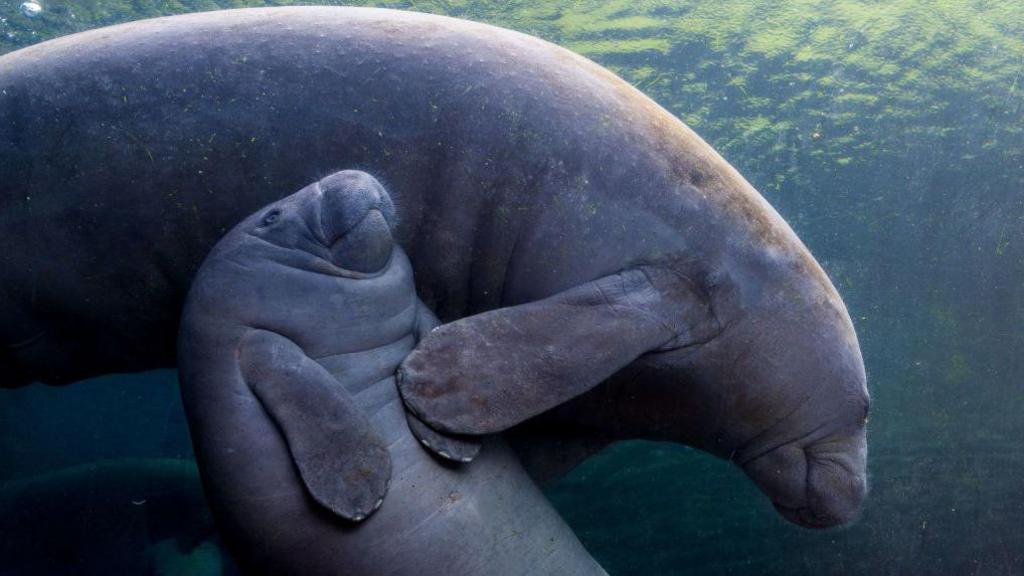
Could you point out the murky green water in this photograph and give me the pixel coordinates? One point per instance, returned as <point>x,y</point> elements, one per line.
<point>891,137</point>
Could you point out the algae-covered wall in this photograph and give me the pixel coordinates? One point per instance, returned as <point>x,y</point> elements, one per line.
<point>891,135</point>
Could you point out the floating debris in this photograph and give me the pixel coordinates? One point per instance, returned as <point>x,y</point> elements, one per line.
<point>31,9</point>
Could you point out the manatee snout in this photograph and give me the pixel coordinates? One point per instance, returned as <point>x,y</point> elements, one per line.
<point>811,458</point>
<point>811,461</point>
<point>784,389</point>
<point>817,486</point>
<point>356,216</point>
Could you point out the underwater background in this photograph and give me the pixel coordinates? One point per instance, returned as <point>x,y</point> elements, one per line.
<point>889,134</point>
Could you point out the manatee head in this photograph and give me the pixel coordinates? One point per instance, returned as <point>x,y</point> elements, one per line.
<point>284,268</point>
<point>344,219</point>
<point>780,389</point>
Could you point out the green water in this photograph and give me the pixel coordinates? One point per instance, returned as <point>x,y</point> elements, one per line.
<point>891,136</point>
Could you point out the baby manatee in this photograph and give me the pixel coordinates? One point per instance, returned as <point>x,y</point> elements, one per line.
<point>290,339</point>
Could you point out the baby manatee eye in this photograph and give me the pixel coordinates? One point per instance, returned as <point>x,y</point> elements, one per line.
<point>271,217</point>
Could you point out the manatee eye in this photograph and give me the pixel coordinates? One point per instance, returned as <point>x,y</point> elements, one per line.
<point>271,217</point>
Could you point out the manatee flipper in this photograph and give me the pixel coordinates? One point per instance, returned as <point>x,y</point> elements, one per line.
<point>453,447</point>
<point>486,373</point>
<point>456,448</point>
<point>344,465</point>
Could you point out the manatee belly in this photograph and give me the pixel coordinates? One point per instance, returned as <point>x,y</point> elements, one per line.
<point>441,518</point>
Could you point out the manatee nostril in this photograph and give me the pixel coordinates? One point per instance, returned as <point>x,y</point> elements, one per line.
<point>348,198</point>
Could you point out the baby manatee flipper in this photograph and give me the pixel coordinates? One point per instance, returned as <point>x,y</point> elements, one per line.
<point>457,448</point>
<point>344,465</point>
<point>486,373</point>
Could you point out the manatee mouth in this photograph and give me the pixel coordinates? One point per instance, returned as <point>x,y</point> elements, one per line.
<point>367,247</point>
<point>821,486</point>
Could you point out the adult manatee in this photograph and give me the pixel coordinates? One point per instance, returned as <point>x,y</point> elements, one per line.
<point>521,171</point>
<point>290,338</point>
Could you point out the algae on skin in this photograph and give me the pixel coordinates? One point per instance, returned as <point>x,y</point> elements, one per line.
<point>866,72</point>
<point>802,96</point>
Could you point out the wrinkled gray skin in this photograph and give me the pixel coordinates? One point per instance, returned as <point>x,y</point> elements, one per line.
<point>520,169</point>
<point>290,338</point>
